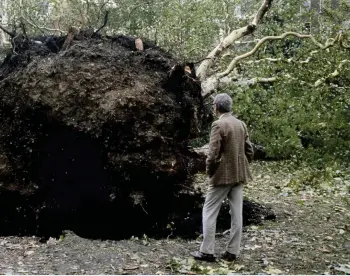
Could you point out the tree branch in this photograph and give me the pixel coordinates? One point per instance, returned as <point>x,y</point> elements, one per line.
<point>250,82</point>
<point>342,41</point>
<point>333,74</point>
<point>42,28</point>
<point>231,38</point>
<point>100,12</point>
<point>104,22</point>
<point>269,60</point>
<point>212,83</point>
<point>226,81</point>
<point>257,80</point>
<point>290,60</point>
<point>23,27</point>
<point>330,42</point>
<point>11,34</point>
<point>318,83</point>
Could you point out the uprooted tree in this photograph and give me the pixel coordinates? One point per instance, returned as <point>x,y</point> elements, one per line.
<point>99,125</point>
<point>96,128</point>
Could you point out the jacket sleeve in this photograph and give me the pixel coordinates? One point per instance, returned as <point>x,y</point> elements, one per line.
<point>213,158</point>
<point>248,148</point>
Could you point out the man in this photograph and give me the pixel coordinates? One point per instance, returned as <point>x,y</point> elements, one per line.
<point>227,165</point>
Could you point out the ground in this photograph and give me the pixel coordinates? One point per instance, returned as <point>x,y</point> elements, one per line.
<point>310,236</point>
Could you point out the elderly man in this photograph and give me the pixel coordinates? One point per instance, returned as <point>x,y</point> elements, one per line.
<point>230,152</point>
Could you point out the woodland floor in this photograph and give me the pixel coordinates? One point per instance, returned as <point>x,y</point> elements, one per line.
<point>310,236</point>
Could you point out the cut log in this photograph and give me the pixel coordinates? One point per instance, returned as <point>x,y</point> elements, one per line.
<point>72,32</point>
<point>139,44</point>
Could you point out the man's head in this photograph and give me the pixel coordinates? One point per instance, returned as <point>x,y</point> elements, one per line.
<point>222,104</point>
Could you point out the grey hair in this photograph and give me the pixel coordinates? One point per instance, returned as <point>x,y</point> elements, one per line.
<point>223,102</point>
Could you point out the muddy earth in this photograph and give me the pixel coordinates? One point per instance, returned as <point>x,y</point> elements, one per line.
<point>97,131</point>
<point>94,131</point>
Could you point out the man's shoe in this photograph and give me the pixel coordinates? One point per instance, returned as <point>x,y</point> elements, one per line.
<point>227,256</point>
<point>203,256</point>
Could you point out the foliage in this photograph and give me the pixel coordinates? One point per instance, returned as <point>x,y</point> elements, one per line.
<point>292,114</point>
<point>187,28</point>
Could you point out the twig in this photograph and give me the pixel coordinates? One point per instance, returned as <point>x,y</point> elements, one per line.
<point>194,49</point>
<point>104,22</point>
<point>87,11</point>
<point>99,12</point>
<point>12,34</point>
<point>186,187</point>
<point>23,28</point>
<point>143,208</point>
<point>42,28</point>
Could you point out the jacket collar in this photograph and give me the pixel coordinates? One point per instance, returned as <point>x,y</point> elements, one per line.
<point>224,115</point>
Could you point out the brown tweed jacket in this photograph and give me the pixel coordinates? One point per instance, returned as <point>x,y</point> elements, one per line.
<point>230,152</point>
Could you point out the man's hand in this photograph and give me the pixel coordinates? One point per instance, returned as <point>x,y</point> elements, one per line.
<point>248,148</point>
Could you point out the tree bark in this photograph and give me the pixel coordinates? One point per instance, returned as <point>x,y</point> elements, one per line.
<point>2,39</point>
<point>73,31</point>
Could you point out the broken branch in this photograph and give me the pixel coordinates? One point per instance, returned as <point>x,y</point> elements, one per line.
<point>104,22</point>
<point>73,31</point>
<point>23,27</point>
<point>330,42</point>
<point>231,38</point>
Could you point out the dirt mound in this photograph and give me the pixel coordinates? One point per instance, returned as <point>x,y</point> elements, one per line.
<point>99,124</point>
<point>96,135</point>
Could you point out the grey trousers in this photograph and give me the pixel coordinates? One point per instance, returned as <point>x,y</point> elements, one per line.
<point>213,201</point>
